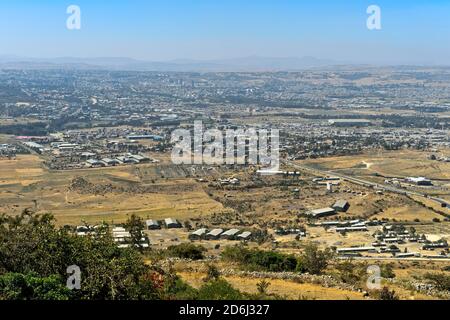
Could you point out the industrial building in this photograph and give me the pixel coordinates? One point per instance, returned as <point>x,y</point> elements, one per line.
<point>230,234</point>
<point>152,225</point>
<point>351,229</point>
<point>341,206</point>
<point>350,122</point>
<point>420,181</point>
<point>356,249</point>
<point>172,223</point>
<point>244,235</point>
<point>324,212</point>
<point>214,234</point>
<point>198,234</point>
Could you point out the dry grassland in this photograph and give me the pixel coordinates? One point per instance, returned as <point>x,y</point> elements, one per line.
<point>25,179</point>
<point>289,289</point>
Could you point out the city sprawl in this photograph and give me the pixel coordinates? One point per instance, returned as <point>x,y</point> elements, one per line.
<point>363,171</point>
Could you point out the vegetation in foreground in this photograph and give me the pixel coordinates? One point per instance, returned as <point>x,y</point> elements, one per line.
<point>312,260</point>
<point>35,255</point>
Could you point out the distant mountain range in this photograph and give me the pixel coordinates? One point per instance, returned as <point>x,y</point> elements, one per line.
<point>252,63</point>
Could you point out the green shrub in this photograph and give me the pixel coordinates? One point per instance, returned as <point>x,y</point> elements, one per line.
<point>17,286</point>
<point>187,251</point>
<point>351,273</point>
<point>260,260</point>
<point>314,260</point>
<point>386,294</point>
<point>387,271</point>
<point>262,287</point>
<point>31,244</point>
<point>212,273</point>
<point>219,290</point>
<point>440,280</point>
<point>177,289</point>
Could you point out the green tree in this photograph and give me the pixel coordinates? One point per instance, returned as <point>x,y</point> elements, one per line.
<point>350,272</point>
<point>32,244</point>
<point>17,286</point>
<point>135,226</point>
<point>314,260</point>
<point>176,289</point>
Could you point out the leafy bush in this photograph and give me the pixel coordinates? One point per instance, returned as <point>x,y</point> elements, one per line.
<point>16,286</point>
<point>31,244</point>
<point>440,280</point>
<point>387,271</point>
<point>262,287</point>
<point>273,261</point>
<point>219,290</point>
<point>187,251</point>
<point>212,273</point>
<point>176,289</point>
<point>351,273</point>
<point>314,260</point>
<point>386,294</point>
<point>34,256</point>
<point>260,260</point>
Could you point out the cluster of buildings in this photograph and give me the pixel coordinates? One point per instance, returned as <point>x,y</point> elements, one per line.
<point>168,223</point>
<point>87,230</point>
<point>79,149</point>
<point>218,233</point>
<point>390,237</point>
<point>120,235</point>
<point>199,234</point>
<point>396,234</point>
<point>319,139</point>
<point>119,160</point>
<point>417,181</point>
<point>299,232</point>
<point>338,206</point>
<point>229,181</point>
<point>7,150</point>
<point>122,238</point>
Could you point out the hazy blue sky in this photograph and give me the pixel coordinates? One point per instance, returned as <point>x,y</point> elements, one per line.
<point>414,31</point>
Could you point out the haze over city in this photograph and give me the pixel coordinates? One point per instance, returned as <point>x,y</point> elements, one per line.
<point>250,151</point>
<point>413,32</point>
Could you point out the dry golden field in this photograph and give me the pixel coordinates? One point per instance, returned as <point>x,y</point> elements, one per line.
<point>26,179</point>
<point>400,163</point>
<point>160,190</point>
<point>293,290</point>
<point>286,288</point>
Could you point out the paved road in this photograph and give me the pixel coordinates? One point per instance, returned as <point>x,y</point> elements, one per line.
<point>366,183</point>
<point>397,259</point>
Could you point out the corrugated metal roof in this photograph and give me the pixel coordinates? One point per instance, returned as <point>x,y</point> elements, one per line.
<point>199,232</point>
<point>152,223</point>
<point>171,221</point>
<point>215,232</point>
<point>340,204</point>
<point>245,234</point>
<point>230,232</point>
